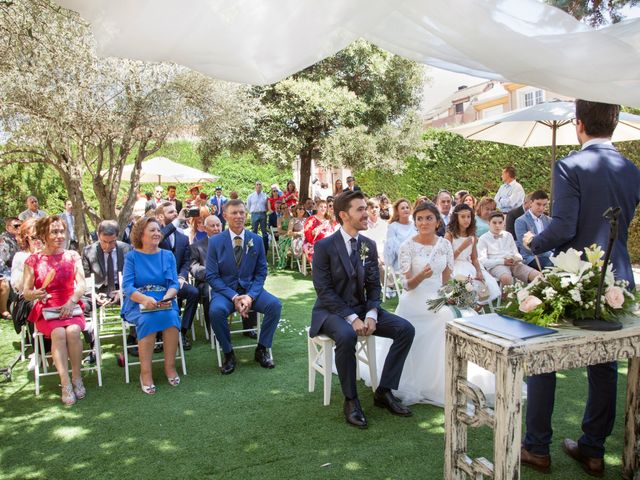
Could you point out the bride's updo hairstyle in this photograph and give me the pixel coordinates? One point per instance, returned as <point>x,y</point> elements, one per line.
<point>454,225</point>
<point>432,208</point>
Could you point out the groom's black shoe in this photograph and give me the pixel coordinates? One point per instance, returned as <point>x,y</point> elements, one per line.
<point>263,358</point>
<point>385,399</point>
<point>353,413</point>
<point>229,364</point>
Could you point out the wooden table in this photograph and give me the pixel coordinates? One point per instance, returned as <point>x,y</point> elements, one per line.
<point>510,360</point>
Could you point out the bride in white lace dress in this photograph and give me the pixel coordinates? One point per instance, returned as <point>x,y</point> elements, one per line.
<point>426,261</point>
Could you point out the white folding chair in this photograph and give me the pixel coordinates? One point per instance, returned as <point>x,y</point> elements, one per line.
<point>125,330</point>
<point>235,318</point>
<point>107,316</point>
<point>275,254</point>
<point>199,314</point>
<point>42,358</point>
<point>395,284</point>
<point>320,351</point>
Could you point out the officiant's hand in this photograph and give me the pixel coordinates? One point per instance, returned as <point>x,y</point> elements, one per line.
<point>370,323</point>
<point>360,327</point>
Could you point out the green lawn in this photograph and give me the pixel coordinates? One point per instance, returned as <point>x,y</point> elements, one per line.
<point>255,423</point>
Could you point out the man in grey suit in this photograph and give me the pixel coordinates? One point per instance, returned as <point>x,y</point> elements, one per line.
<point>535,221</point>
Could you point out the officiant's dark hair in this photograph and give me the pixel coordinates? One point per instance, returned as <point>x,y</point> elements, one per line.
<point>599,119</point>
<point>342,202</point>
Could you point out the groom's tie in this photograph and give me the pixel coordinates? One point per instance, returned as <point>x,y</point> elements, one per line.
<point>354,253</point>
<point>237,249</point>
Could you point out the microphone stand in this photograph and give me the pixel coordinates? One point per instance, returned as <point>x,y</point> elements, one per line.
<point>596,323</point>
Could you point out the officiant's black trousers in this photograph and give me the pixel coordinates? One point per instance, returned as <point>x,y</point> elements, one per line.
<point>599,413</point>
<point>389,326</point>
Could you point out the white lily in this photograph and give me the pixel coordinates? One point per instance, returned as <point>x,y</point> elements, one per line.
<point>568,261</point>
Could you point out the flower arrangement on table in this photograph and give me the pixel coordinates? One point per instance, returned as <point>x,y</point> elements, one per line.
<point>568,290</point>
<point>459,292</point>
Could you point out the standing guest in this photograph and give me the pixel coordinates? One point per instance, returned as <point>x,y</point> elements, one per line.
<point>152,204</point>
<point>32,210</point>
<point>443,202</point>
<point>257,207</point>
<point>291,195</point>
<point>233,195</point>
<point>498,253</point>
<point>193,200</point>
<point>218,201</point>
<point>400,228</point>
<point>55,278</point>
<point>150,285</point>
<point>67,216</point>
<point>484,208</point>
<point>385,207</point>
<point>274,199</point>
<point>316,228</point>
<point>171,197</point>
<point>377,230</point>
<point>198,262</point>
<point>535,221</point>
<point>351,185</point>
<point>178,243</point>
<point>337,187</point>
<point>284,240</point>
<point>236,271</point>
<point>585,184</point>
<point>323,192</point>
<point>470,200</point>
<point>345,276</point>
<point>510,194</point>
<point>514,214</point>
<point>296,231</point>
<point>309,207</point>
<point>9,237</point>
<point>459,196</point>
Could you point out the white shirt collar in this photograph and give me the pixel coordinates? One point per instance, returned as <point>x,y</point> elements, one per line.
<point>596,141</point>
<point>346,238</point>
<point>234,235</point>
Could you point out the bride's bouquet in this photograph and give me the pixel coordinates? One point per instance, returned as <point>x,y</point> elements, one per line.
<point>459,292</point>
<point>568,290</point>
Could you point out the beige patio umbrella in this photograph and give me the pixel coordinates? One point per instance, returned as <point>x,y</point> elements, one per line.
<point>159,169</point>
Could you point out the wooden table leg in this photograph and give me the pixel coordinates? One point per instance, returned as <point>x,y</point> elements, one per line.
<point>508,419</point>
<point>455,430</point>
<point>632,422</point>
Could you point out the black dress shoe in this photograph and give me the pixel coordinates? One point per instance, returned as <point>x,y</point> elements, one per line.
<point>263,358</point>
<point>186,343</point>
<point>353,413</point>
<point>251,334</point>
<point>540,463</point>
<point>391,403</point>
<point>591,465</point>
<point>229,364</point>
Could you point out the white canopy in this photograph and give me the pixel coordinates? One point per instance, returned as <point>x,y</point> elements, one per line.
<point>263,41</point>
<point>161,169</point>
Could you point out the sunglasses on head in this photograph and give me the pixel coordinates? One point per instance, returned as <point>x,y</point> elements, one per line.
<point>16,225</point>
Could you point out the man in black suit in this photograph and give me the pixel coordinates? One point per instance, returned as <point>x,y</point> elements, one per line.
<point>171,192</point>
<point>198,262</point>
<point>104,259</point>
<point>516,213</point>
<point>351,185</point>
<point>347,281</point>
<point>178,243</point>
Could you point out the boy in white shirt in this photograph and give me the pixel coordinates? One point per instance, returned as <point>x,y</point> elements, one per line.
<point>498,253</point>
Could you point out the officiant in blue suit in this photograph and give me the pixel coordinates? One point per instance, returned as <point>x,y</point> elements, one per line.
<point>236,271</point>
<point>585,185</point>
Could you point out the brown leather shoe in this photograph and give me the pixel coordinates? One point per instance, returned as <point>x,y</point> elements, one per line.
<point>593,466</point>
<point>540,463</point>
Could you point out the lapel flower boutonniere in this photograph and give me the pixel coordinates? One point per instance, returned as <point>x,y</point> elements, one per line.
<point>249,245</point>
<point>364,250</point>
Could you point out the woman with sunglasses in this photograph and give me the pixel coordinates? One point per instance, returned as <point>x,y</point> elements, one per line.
<point>284,240</point>
<point>296,230</point>
<point>291,195</point>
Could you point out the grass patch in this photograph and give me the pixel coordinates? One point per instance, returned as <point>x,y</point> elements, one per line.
<point>255,423</point>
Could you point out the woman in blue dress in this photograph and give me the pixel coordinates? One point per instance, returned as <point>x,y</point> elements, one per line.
<point>150,285</point>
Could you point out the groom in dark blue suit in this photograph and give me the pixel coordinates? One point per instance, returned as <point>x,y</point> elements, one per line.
<point>585,184</point>
<point>347,281</point>
<point>236,271</point>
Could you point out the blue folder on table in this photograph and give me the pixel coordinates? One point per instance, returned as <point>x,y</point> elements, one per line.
<point>506,327</point>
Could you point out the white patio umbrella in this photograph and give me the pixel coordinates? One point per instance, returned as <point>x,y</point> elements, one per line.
<point>159,169</point>
<point>542,125</point>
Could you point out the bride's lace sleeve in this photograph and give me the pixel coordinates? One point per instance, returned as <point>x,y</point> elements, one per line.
<point>447,250</point>
<point>404,262</point>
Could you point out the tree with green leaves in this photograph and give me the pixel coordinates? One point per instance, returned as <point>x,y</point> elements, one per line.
<point>595,12</point>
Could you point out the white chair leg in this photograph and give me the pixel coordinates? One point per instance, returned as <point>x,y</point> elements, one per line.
<point>371,356</point>
<point>98,352</point>
<point>193,331</point>
<point>23,342</point>
<point>181,350</point>
<point>327,370</point>
<point>125,353</point>
<point>36,353</point>
<point>312,353</point>
<point>43,354</point>
<point>218,354</point>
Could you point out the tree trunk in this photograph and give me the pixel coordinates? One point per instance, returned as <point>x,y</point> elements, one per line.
<point>305,173</point>
<point>71,175</point>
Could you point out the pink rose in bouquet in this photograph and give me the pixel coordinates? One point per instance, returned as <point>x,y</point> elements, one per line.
<point>614,296</point>
<point>530,303</point>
